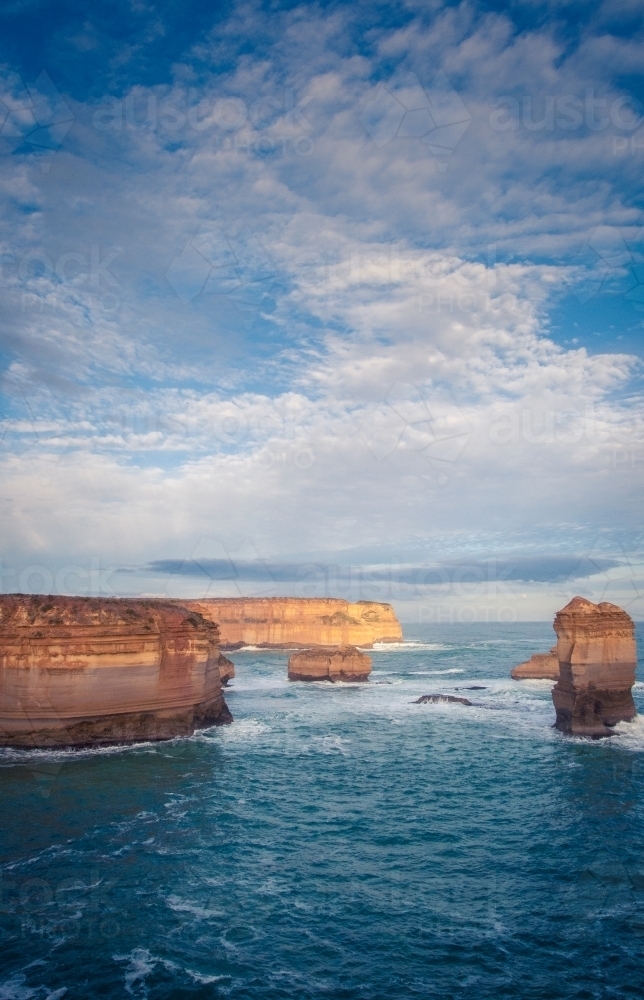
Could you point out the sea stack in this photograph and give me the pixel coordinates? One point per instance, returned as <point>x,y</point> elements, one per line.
<point>337,663</point>
<point>597,659</point>
<point>80,671</point>
<point>540,666</point>
<point>226,669</point>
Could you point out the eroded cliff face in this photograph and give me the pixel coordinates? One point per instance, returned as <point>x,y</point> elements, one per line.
<point>336,663</point>
<point>226,669</point>
<point>283,622</point>
<point>83,671</point>
<point>540,666</point>
<point>597,659</point>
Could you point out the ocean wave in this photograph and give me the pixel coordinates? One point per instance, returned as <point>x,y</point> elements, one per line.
<point>332,744</point>
<point>200,912</point>
<point>280,650</point>
<point>199,977</point>
<point>140,964</point>
<point>240,730</point>
<point>628,734</point>
<point>435,673</point>
<point>14,988</point>
<point>411,644</point>
<point>34,755</point>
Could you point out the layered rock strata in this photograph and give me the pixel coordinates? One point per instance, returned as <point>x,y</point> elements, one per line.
<point>343,663</point>
<point>540,666</point>
<point>597,659</point>
<point>226,669</point>
<point>93,671</point>
<point>288,622</point>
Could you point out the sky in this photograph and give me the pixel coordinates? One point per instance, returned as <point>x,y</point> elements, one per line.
<point>324,299</point>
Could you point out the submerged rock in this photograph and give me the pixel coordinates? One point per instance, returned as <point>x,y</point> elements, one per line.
<point>540,666</point>
<point>335,663</point>
<point>437,698</point>
<point>80,671</point>
<point>597,659</point>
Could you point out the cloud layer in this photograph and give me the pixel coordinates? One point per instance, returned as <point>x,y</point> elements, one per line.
<point>293,292</point>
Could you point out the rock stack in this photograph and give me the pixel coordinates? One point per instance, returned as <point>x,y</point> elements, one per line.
<point>597,659</point>
<point>335,663</point>
<point>540,666</point>
<point>226,669</point>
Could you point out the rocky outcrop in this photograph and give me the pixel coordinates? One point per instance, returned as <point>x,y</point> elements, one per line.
<point>226,669</point>
<point>540,666</point>
<point>93,671</point>
<point>597,659</point>
<point>342,663</point>
<point>436,699</point>
<point>291,622</point>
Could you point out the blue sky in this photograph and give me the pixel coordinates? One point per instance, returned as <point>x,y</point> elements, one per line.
<point>324,298</point>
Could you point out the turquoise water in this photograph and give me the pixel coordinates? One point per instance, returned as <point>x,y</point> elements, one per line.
<point>336,841</point>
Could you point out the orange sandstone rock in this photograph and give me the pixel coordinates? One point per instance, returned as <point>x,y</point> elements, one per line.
<point>226,669</point>
<point>540,666</point>
<point>341,663</point>
<point>82,671</point>
<point>283,622</point>
<point>597,658</point>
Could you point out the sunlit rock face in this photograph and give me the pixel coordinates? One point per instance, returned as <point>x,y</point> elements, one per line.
<point>597,659</point>
<point>540,666</point>
<point>282,622</point>
<point>343,663</point>
<point>93,671</point>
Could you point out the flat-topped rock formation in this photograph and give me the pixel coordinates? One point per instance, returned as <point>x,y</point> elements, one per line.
<point>80,671</point>
<point>540,666</point>
<point>288,622</point>
<point>341,663</point>
<point>597,659</point>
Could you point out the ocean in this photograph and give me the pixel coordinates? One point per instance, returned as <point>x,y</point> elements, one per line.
<point>336,841</point>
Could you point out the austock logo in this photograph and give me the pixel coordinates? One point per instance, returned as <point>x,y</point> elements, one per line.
<point>230,266</point>
<point>607,265</point>
<point>403,109</point>
<point>410,420</point>
<point>36,117</point>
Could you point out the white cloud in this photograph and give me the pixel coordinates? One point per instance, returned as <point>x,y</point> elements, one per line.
<point>386,381</point>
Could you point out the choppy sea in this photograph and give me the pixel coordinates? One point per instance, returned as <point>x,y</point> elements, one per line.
<point>336,841</point>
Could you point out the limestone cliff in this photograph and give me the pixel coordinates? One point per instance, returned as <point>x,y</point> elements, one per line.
<point>540,666</point>
<point>336,663</point>
<point>83,671</point>
<point>283,622</point>
<point>597,659</point>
